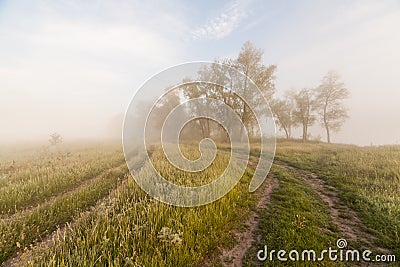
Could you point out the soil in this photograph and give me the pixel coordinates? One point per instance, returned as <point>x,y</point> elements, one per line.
<point>234,256</point>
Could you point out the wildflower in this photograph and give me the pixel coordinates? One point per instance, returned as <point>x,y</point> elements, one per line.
<point>298,222</point>
<point>167,235</point>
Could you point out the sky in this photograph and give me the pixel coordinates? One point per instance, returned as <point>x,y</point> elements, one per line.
<point>73,66</point>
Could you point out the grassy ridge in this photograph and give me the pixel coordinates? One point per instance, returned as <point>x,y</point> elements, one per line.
<point>129,228</point>
<point>30,185</point>
<point>295,219</point>
<point>24,229</point>
<point>136,230</point>
<point>368,180</point>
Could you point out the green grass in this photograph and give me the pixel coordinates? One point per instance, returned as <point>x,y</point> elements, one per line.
<point>41,179</point>
<point>139,231</point>
<point>368,181</point>
<point>22,231</point>
<point>41,192</point>
<point>296,219</point>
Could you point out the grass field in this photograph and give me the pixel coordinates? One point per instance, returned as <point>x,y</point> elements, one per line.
<point>75,205</point>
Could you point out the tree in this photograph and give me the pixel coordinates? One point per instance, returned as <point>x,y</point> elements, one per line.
<point>283,112</point>
<point>228,86</point>
<point>302,113</point>
<point>159,113</point>
<point>193,90</point>
<point>249,62</point>
<point>329,96</point>
<point>55,139</point>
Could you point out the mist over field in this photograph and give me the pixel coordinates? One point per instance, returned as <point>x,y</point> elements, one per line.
<point>207,133</point>
<point>70,68</point>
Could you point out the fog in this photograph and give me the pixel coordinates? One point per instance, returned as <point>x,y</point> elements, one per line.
<point>72,67</point>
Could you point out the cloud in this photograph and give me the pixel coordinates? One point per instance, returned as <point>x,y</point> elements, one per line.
<point>222,25</point>
<point>70,69</point>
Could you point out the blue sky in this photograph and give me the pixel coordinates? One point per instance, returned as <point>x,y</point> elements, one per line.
<point>71,66</point>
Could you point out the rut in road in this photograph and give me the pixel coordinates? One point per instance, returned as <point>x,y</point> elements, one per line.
<point>350,225</point>
<point>59,196</point>
<point>234,257</point>
<point>49,240</point>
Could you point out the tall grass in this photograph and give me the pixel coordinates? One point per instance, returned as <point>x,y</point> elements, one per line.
<point>135,230</point>
<point>43,178</point>
<point>129,228</point>
<point>368,179</point>
<point>56,190</point>
<point>296,219</point>
<point>22,231</point>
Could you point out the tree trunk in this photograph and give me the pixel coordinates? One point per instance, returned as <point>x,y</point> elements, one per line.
<point>208,128</point>
<point>202,129</point>
<point>328,137</point>
<point>243,117</point>
<point>286,132</point>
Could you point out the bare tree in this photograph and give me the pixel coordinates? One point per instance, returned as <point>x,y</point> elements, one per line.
<point>329,96</point>
<point>302,113</point>
<point>55,139</point>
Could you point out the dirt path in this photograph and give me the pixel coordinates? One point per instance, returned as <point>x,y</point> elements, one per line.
<point>350,225</point>
<point>234,256</point>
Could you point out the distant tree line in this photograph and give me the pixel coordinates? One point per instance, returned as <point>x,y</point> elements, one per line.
<point>322,104</point>
<point>298,108</point>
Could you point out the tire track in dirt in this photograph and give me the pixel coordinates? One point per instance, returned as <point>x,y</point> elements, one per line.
<point>59,196</point>
<point>350,225</point>
<point>234,257</point>
<point>49,240</point>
